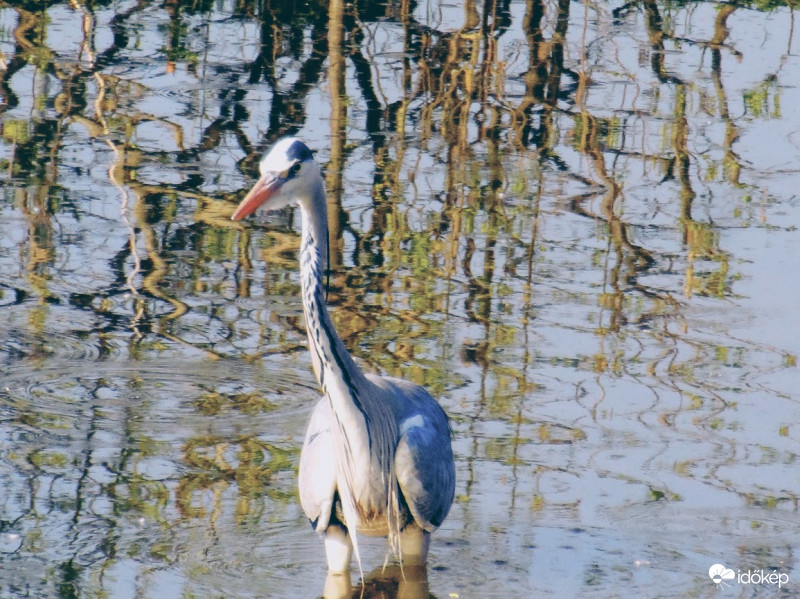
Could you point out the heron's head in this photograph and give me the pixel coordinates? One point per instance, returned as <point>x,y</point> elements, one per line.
<point>288,174</point>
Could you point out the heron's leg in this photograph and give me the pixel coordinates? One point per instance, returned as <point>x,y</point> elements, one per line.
<point>338,548</point>
<point>414,543</point>
<point>338,586</point>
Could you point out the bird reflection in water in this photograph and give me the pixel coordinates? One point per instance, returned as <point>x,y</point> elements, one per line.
<point>391,582</point>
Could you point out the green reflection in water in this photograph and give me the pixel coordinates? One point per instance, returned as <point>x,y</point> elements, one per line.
<point>552,215</point>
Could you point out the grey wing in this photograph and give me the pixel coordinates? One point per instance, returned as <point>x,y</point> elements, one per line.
<point>424,461</point>
<point>317,477</point>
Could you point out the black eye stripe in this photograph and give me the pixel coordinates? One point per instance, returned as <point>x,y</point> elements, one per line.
<point>294,169</point>
<point>299,151</point>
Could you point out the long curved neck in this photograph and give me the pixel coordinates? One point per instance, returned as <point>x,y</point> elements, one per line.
<point>365,432</point>
<point>333,365</point>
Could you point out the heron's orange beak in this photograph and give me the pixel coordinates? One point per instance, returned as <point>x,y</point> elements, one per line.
<point>263,190</point>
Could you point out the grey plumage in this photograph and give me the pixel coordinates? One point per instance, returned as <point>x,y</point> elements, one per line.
<point>377,457</point>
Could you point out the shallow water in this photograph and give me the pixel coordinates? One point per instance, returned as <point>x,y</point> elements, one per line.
<point>575,224</point>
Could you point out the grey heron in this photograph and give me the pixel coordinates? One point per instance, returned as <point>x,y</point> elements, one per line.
<point>377,458</point>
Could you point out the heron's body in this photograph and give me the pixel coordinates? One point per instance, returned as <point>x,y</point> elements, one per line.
<point>377,457</point>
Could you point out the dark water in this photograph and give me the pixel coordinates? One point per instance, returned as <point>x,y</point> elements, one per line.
<point>576,224</point>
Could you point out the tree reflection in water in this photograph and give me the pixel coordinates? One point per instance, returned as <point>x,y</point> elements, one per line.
<point>552,215</point>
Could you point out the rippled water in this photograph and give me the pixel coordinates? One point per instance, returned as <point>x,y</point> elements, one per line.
<point>575,224</point>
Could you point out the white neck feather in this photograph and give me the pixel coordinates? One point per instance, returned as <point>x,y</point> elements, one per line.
<point>366,430</point>
<point>331,360</point>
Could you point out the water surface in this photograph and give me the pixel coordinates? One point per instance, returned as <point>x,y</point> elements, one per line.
<point>575,224</point>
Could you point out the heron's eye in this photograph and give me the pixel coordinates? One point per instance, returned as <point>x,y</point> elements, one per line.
<point>291,171</point>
